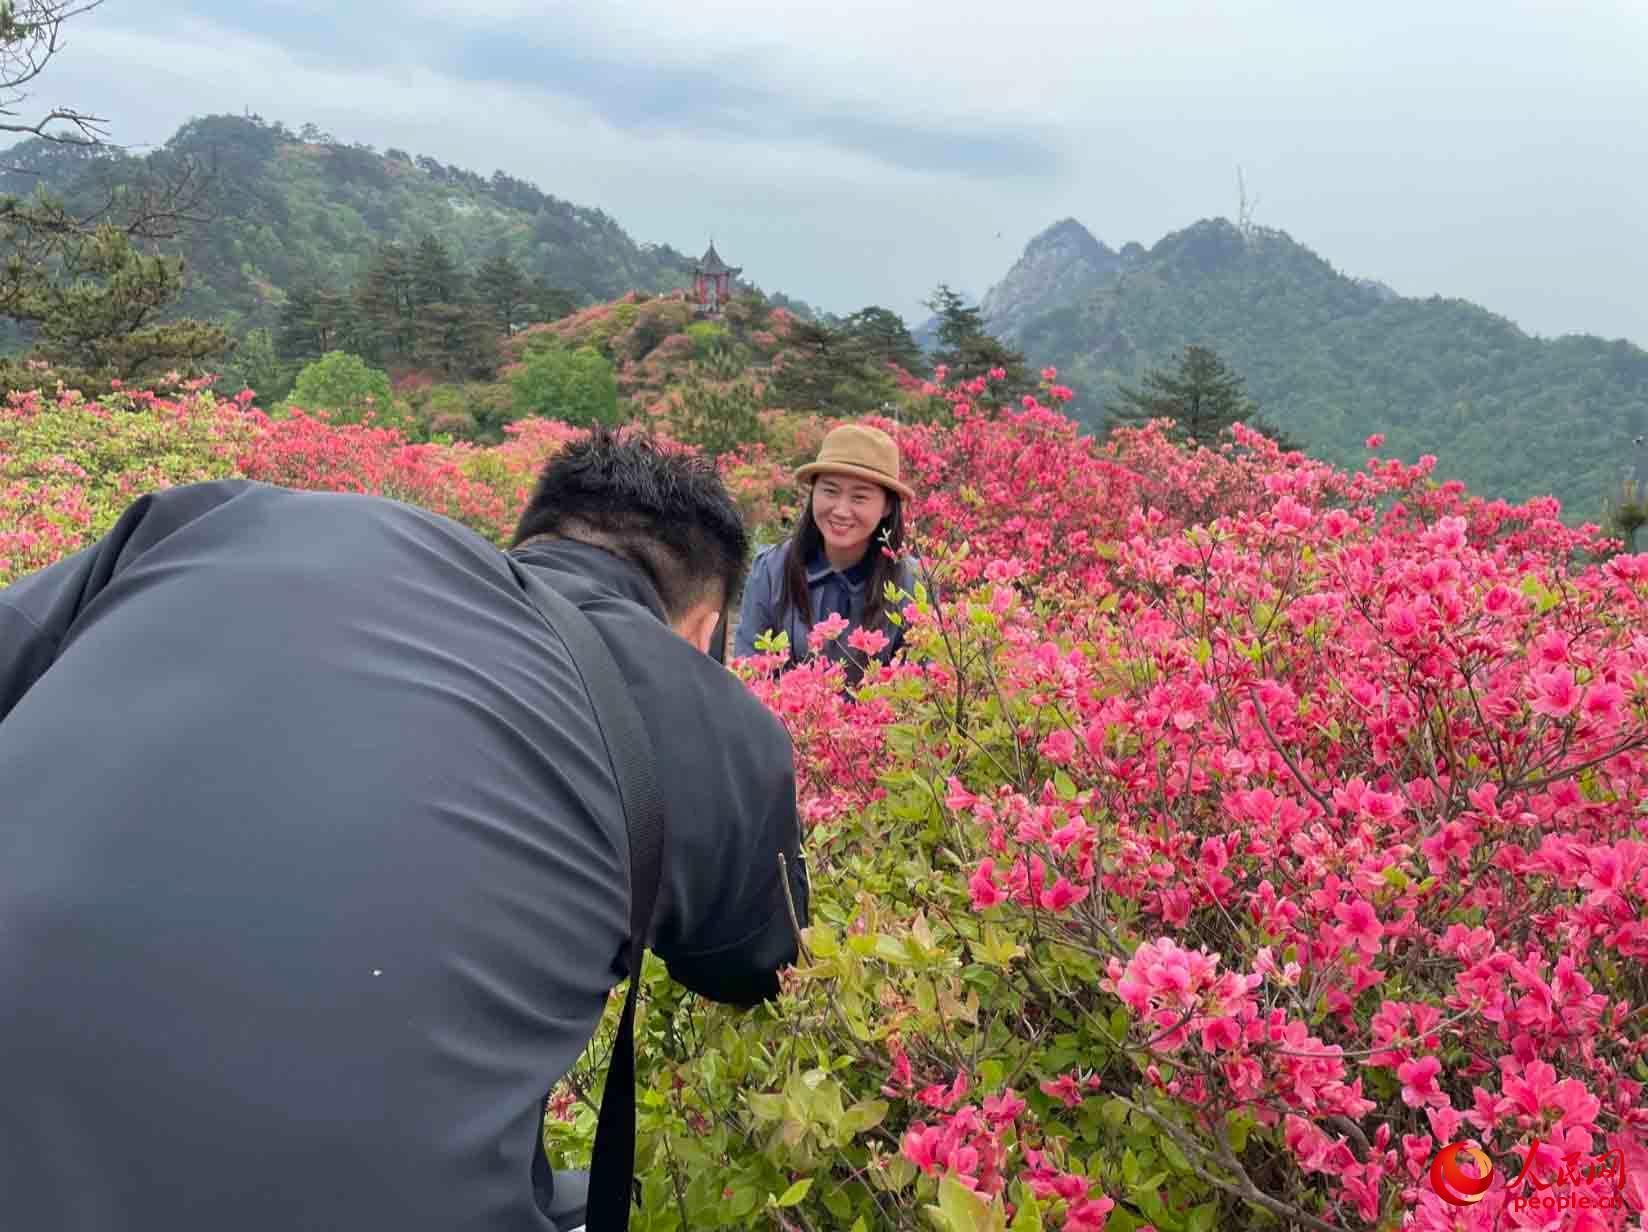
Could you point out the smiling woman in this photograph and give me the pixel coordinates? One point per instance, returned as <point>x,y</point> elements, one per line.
<point>843,552</point>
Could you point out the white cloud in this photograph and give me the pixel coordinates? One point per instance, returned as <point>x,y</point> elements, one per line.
<point>860,152</point>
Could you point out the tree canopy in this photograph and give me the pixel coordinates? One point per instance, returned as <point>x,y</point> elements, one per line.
<point>1201,395</point>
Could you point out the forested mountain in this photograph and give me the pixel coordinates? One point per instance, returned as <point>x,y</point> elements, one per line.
<point>282,209</point>
<point>1331,359</point>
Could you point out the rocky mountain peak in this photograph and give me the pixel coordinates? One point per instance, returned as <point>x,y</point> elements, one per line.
<point>1059,266</point>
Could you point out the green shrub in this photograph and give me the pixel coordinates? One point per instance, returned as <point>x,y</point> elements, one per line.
<point>577,387</point>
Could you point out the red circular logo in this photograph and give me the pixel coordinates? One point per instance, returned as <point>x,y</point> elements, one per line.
<point>1452,1183</point>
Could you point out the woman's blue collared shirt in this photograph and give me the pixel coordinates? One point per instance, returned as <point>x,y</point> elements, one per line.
<point>830,589</point>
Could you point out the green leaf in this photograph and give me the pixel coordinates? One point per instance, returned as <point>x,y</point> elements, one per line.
<point>1174,1155</point>
<point>1201,1217</point>
<point>866,1114</point>
<point>997,948</point>
<point>1119,1019</point>
<point>892,949</point>
<point>964,1210</point>
<point>838,1203</point>
<point>822,941</point>
<point>1027,1217</point>
<point>744,1198</point>
<point>796,1192</point>
<point>926,996</point>
<point>1204,651</point>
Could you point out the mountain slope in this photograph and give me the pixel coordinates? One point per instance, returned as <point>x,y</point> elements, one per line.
<point>1061,265</point>
<point>287,207</point>
<point>1332,359</point>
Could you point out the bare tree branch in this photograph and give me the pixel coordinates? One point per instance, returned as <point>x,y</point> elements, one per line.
<point>30,36</point>
<point>157,209</point>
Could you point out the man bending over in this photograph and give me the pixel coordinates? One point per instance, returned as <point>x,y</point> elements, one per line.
<point>313,871</point>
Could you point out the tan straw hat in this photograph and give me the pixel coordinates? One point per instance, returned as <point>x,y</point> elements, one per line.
<point>865,452</point>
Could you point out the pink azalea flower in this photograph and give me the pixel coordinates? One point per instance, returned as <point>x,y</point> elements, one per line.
<point>983,888</point>
<point>1556,694</point>
<point>1361,921</point>
<point>1064,1089</point>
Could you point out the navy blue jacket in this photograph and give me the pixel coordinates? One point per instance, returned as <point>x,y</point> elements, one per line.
<point>313,875</point>
<point>763,607</point>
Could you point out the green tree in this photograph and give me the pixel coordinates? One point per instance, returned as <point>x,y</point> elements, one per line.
<point>74,282</point>
<point>457,339</point>
<point>345,385</point>
<point>1201,395</point>
<point>93,303</point>
<point>829,371</point>
<point>1626,512</point>
<point>716,414</point>
<point>548,302</point>
<point>968,350</point>
<point>313,320</point>
<point>258,366</point>
<point>1284,441</point>
<point>436,278</point>
<point>577,387</point>
<point>881,337</point>
<point>502,288</point>
<point>388,301</point>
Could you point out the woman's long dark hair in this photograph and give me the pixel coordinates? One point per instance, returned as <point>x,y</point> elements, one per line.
<point>808,539</point>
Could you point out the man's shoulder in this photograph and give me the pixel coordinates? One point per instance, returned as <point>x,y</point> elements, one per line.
<point>730,709</point>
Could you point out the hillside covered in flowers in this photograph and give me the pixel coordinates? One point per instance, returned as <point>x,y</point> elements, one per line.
<point>1238,832</point>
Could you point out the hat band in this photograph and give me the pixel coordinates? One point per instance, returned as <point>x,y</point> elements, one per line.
<point>826,463</point>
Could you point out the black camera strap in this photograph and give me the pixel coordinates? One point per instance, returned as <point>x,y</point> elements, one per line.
<point>612,1166</point>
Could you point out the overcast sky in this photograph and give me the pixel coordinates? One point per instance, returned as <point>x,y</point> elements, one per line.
<point>859,152</point>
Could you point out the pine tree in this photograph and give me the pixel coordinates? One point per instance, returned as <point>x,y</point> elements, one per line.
<point>1284,442</point>
<point>436,278</point>
<point>882,338</point>
<point>548,302</point>
<point>257,366</point>
<point>1625,512</point>
<point>968,350</point>
<point>93,303</point>
<point>457,338</point>
<point>1202,397</point>
<point>314,320</point>
<point>714,413</point>
<point>503,290</point>
<point>388,299</point>
<point>815,360</point>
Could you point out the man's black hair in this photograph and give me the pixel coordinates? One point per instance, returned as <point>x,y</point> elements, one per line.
<point>666,512</point>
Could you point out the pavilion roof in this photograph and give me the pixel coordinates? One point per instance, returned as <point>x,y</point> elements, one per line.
<point>711,263</point>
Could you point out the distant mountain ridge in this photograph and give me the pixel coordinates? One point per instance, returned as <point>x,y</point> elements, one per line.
<point>291,206</point>
<point>1330,358</point>
<point>1059,266</point>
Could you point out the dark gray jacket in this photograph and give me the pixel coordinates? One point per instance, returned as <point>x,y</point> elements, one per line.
<point>313,876</point>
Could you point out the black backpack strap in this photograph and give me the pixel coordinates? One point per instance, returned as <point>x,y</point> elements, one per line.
<point>612,1166</point>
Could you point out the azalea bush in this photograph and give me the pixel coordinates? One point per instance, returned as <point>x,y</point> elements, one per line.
<point>1236,833</point>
